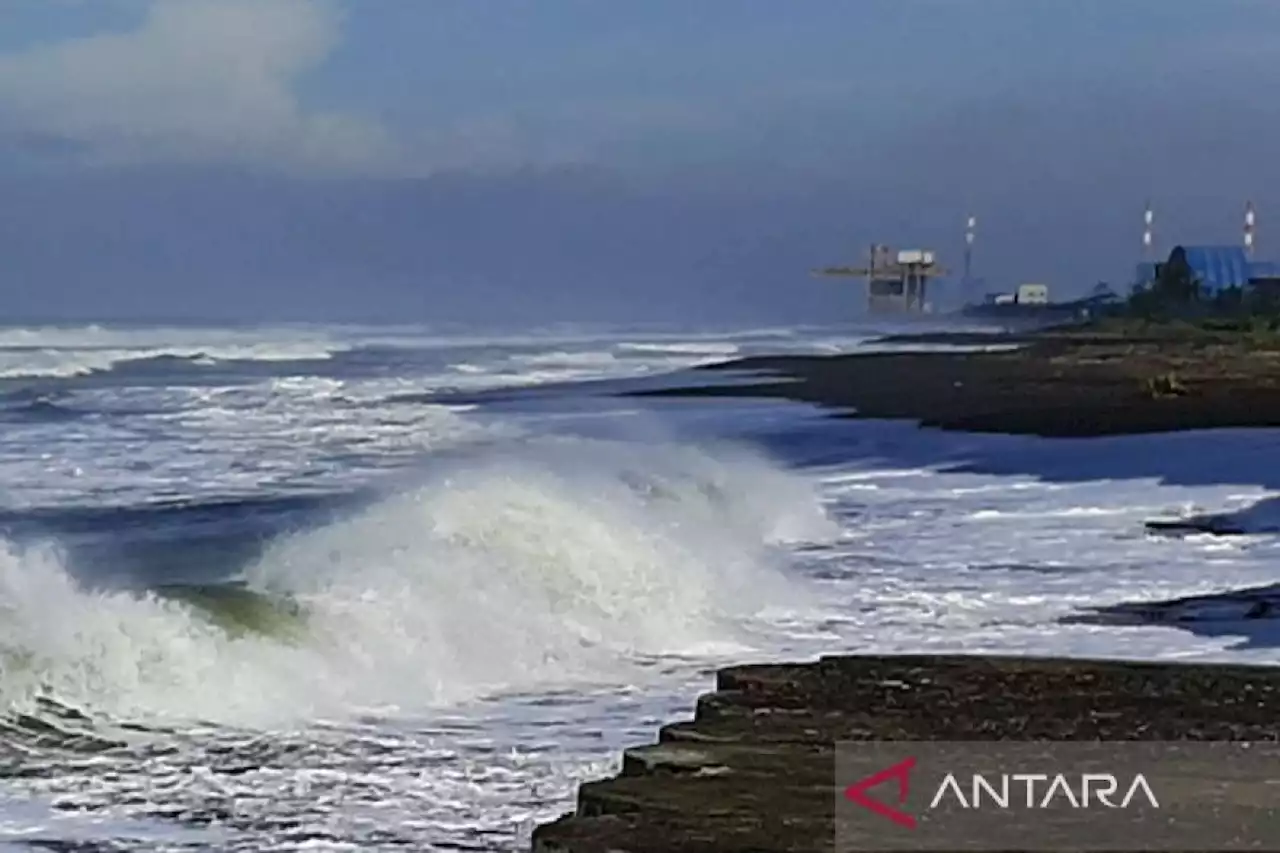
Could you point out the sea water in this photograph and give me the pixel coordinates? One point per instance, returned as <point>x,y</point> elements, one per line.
<point>390,588</point>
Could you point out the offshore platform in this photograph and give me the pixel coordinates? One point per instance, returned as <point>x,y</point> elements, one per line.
<point>897,280</point>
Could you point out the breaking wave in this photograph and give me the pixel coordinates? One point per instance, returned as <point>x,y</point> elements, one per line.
<point>68,363</point>
<point>555,562</point>
<point>699,348</point>
<point>57,352</point>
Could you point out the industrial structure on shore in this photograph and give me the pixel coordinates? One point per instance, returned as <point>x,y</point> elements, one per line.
<point>899,281</point>
<point>1216,267</point>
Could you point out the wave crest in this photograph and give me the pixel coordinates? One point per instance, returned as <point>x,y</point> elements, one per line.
<point>553,562</point>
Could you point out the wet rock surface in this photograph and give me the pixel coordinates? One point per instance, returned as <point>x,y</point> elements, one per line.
<point>1239,605</point>
<point>754,770</point>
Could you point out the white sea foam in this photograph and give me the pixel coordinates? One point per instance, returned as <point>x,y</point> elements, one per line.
<point>293,434</point>
<point>975,557</point>
<point>718,349</point>
<point>558,572</point>
<point>1257,516</point>
<point>66,363</point>
<point>539,565</point>
<point>519,614</point>
<point>64,352</point>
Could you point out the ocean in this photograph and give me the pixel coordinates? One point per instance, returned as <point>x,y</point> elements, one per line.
<point>373,588</point>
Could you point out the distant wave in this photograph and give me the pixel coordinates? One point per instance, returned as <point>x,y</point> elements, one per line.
<point>709,348</point>
<point>611,361</point>
<point>67,363</point>
<point>73,359</point>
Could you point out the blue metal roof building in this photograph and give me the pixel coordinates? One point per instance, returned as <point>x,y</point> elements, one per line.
<point>1217,267</point>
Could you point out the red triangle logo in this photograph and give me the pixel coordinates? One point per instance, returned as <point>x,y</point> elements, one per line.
<point>857,792</point>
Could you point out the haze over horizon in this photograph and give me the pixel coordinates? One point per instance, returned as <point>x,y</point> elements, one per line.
<point>567,160</point>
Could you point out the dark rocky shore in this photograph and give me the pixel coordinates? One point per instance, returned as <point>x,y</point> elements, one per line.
<point>1077,382</point>
<point>754,770</point>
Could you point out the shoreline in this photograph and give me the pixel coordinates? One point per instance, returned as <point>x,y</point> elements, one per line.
<point>754,770</point>
<point>1058,382</point>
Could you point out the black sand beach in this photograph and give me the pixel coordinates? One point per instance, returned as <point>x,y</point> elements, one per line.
<point>1082,382</point>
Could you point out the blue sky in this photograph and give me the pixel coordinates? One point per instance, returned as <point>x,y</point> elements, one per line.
<point>777,134</point>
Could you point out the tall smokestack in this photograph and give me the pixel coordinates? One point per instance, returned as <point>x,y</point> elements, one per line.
<point>970,233</point>
<point>1249,222</point>
<point>1148,234</point>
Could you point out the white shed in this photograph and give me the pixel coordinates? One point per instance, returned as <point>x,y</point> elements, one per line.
<point>1033,294</point>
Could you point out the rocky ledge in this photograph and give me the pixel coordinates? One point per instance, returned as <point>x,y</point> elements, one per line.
<point>754,770</point>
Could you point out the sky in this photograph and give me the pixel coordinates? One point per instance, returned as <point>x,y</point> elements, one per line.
<point>563,160</point>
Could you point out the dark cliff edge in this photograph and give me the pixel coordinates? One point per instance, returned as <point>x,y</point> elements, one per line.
<point>754,770</point>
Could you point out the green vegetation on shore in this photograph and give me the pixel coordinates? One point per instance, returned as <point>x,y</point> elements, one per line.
<point>1178,301</point>
<point>1249,331</point>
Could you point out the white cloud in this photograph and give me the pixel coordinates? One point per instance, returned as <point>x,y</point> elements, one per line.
<point>217,82</point>
<point>199,81</point>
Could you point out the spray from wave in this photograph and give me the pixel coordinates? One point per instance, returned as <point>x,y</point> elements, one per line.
<point>525,567</point>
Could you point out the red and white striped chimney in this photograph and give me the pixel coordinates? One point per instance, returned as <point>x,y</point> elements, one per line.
<point>1148,220</point>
